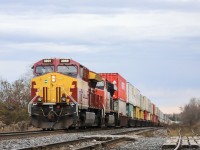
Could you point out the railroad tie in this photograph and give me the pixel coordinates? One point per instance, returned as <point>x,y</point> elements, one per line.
<point>193,143</point>
<point>185,143</point>
<point>196,140</point>
<point>170,143</point>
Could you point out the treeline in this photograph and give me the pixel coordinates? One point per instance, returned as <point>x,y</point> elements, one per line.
<point>190,113</point>
<point>14,98</point>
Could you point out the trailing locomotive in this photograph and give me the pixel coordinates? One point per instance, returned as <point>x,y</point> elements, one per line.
<point>67,94</point>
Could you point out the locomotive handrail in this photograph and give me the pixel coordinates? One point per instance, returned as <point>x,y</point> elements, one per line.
<point>30,103</point>
<point>74,102</point>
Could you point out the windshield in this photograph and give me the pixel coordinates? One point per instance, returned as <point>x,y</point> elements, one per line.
<point>44,69</point>
<point>100,85</point>
<point>68,70</point>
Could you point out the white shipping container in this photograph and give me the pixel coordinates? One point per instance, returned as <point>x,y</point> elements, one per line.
<point>148,116</point>
<point>146,103</point>
<point>142,102</point>
<point>156,111</point>
<point>151,108</point>
<point>130,94</point>
<point>137,97</point>
<point>120,106</point>
<point>133,95</point>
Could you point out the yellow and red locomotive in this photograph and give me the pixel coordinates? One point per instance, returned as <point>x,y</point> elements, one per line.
<point>63,95</point>
<point>67,94</point>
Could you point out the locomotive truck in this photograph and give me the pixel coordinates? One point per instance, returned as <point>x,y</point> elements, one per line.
<point>67,94</point>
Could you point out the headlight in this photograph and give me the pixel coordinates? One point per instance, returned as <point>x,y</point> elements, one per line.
<point>53,78</point>
<point>63,99</point>
<point>39,99</point>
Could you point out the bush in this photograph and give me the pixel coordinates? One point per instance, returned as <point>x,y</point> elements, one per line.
<point>14,98</point>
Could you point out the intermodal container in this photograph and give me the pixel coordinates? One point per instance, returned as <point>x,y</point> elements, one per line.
<point>137,112</point>
<point>120,82</point>
<point>154,109</point>
<point>120,107</point>
<point>130,110</point>
<point>141,102</point>
<point>141,114</point>
<point>130,94</point>
<point>150,107</point>
<point>148,116</point>
<point>137,97</point>
<point>145,115</point>
<point>151,117</point>
<point>146,101</point>
<point>155,119</point>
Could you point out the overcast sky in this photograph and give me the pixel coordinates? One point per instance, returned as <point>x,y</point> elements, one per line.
<point>153,44</point>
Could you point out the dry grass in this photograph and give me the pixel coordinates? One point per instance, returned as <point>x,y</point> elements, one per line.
<point>186,130</point>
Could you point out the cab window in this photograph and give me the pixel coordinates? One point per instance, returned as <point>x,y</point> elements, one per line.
<point>100,85</point>
<point>40,70</point>
<point>68,70</point>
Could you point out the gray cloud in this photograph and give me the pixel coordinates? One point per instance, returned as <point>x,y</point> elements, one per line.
<point>153,44</point>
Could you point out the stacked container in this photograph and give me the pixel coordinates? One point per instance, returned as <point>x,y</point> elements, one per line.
<point>142,102</point>
<point>141,114</point>
<point>137,97</point>
<point>148,116</point>
<point>150,108</point>
<point>154,109</point>
<point>120,107</point>
<point>130,94</point>
<point>130,110</point>
<point>145,115</point>
<point>137,113</point>
<point>120,82</point>
<point>119,96</point>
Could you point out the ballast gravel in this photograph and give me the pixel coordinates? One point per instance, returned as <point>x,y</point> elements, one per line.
<point>145,144</point>
<point>45,140</point>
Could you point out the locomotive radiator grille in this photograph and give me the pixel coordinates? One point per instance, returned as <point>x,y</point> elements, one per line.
<point>58,94</point>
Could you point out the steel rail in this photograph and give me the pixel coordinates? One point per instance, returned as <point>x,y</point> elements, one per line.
<point>179,141</point>
<point>136,130</point>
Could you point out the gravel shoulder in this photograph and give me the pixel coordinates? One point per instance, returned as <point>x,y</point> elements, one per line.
<point>149,141</point>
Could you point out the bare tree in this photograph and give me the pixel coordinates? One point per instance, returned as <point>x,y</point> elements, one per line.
<point>190,112</point>
<point>14,98</point>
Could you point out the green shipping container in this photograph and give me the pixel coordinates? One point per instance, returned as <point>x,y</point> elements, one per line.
<point>129,110</point>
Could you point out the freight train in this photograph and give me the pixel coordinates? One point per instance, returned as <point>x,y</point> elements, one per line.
<point>67,94</point>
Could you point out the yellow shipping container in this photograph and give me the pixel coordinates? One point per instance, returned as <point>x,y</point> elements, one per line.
<point>137,112</point>
<point>151,117</point>
<point>141,114</point>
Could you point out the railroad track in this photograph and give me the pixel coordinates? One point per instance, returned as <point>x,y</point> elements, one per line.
<point>27,134</point>
<point>93,142</point>
<point>181,142</point>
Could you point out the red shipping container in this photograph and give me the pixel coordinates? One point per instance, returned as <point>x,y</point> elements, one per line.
<point>155,119</point>
<point>145,115</point>
<point>120,82</point>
